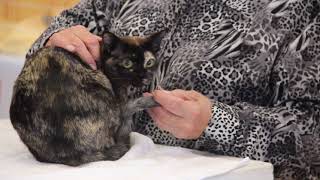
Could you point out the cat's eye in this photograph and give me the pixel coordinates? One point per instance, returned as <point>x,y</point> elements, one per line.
<point>149,63</point>
<point>127,64</point>
<point>149,60</point>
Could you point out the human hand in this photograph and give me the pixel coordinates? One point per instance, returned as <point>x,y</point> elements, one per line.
<point>185,114</point>
<point>79,40</point>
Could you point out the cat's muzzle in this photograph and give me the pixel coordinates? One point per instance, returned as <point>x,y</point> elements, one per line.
<point>146,81</point>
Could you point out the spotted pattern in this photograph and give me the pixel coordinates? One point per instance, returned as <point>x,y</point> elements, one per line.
<point>257,60</point>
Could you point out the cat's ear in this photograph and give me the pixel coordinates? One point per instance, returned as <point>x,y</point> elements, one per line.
<point>154,41</point>
<point>109,42</point>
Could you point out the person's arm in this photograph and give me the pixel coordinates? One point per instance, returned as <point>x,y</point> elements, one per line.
<point>273,132</point>
<point>285,133</point>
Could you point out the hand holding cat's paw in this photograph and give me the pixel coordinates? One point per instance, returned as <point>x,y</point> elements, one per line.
<point>185,114</point>
<point>79,40</point>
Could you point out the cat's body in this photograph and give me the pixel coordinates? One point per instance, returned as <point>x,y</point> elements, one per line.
<point>67,113</point>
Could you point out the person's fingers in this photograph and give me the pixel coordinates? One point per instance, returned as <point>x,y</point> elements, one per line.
<point>166,116</point>
<point>83,52</point>
<point>78,40</point>
<point>159,122</point>
<point>176,105</point>
<point>169,120</point>
<point>177,126</point>
<point>70,48</point>
<point>59,41</point>
<point>168,101</point>
<point>91,41</point>
<point>185,114</point>
<point>186,95</point>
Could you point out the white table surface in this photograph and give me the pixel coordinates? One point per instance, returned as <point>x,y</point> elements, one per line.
<point>145,160</point>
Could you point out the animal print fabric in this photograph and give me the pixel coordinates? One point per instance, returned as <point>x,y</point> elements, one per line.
<point>257,60</point>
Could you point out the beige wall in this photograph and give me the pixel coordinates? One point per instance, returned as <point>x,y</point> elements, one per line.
<point>22,21</point>
<point>17,10</point>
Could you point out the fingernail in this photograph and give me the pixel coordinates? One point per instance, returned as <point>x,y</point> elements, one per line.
<point>70,48</point>
<point>93,66</point>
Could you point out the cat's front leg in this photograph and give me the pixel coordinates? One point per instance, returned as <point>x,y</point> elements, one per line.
<point>134,106</point>
<point>130,108</point>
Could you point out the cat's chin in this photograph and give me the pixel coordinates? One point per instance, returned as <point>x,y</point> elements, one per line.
<point>137,84</point>
<point>146,82</point>
<point>143,82</point>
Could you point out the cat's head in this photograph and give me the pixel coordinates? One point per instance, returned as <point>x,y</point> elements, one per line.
<point>130,60</point>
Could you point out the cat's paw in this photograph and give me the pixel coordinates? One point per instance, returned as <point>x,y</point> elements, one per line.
<point>141,103</point>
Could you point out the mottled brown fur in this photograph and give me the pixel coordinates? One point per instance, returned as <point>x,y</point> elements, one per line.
<point>67,113</point>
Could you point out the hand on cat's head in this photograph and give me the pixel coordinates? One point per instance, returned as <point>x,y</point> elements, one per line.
<point>78,40</point>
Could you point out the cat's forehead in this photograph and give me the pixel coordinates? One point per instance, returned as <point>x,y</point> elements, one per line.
<point>127,49</point>
<point>122,47</point>
<point>134,41</point>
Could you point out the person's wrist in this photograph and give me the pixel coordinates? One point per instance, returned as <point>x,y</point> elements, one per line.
<point>205,134</point>
<point>210,120</point>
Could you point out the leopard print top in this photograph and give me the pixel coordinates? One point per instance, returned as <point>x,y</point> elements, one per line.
<point>257,60</point>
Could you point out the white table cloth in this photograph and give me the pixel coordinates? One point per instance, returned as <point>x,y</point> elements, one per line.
<point>145,160</point>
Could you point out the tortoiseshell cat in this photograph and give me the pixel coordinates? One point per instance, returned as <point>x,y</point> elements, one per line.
<point>66,113</point>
